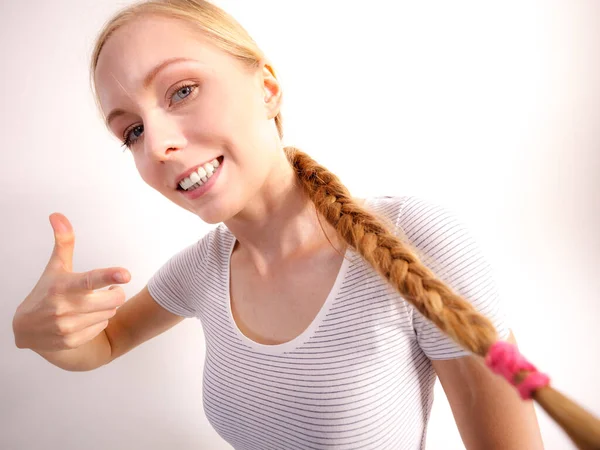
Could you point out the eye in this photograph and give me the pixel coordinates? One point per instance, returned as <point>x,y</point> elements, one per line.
<point>132,134</point>
<point>183,92</point>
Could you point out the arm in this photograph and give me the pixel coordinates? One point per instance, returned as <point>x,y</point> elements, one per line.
<point>488,411</point>
<point>160,305</point>
<point>137,321</point>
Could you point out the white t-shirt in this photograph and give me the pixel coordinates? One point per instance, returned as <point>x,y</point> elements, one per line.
<point>360,376</point>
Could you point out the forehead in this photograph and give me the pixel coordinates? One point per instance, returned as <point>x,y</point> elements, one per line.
<point>137,47</point>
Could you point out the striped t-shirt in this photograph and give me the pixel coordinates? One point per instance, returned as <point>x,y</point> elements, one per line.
<point>360,375</point>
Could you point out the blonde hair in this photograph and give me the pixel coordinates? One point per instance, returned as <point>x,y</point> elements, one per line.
<point>368,234</point>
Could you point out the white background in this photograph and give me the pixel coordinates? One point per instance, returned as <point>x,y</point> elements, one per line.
<point>491,109</point>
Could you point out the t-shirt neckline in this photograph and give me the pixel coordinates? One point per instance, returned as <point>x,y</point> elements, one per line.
<point>305,335</point>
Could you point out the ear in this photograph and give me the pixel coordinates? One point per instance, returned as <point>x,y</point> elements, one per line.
<point>271,89</point>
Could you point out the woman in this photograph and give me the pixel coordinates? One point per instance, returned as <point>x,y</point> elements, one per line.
<point>314,307</point>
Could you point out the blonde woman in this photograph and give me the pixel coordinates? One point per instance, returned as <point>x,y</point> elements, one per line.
<point>327,318</point>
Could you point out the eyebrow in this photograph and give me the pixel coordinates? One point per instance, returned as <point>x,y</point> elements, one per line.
<point>148,79</point>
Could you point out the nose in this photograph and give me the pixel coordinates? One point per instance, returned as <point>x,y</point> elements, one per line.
<point>162,136</point>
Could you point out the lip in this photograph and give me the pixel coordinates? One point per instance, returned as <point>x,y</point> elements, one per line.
<point>188,172</point>
<point>202,190</point>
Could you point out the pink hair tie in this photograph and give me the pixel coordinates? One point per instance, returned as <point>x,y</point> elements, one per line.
<point>504,359</point>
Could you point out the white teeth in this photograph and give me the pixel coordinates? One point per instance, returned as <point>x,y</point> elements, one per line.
<point>202,174</point>
<point>196,186</point>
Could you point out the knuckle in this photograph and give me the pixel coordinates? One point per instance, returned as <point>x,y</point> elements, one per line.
<point>64,328</point>
<point>58,307</point>
<point>66,239</point>
<point>70,342</point>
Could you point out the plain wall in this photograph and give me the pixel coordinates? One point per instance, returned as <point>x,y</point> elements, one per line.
<point>488,108</point>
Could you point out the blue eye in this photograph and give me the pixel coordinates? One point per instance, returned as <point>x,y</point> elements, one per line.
<point>133,135</point>
<point>183,92</point>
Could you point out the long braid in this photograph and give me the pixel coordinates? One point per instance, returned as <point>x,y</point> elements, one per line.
<point>392,258</point>
<point>399,264</point>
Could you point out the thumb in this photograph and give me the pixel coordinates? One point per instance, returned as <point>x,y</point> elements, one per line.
<point>64,243</point>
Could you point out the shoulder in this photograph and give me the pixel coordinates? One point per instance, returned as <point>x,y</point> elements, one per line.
<point>387,208</point>
<point>446,245</point>
<point>194,257</point>
<point>408,211</point>
<point>437,233</point>
<point>414,217</point>
<point>178,285</point>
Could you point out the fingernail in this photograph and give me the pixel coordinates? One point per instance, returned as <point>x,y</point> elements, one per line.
<point>119,277</point>
<point>60,227</point>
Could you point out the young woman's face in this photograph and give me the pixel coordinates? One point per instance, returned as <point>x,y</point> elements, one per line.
<point>201,106</point>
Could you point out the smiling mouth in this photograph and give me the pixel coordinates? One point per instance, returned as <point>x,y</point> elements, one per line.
<point>204,179</point>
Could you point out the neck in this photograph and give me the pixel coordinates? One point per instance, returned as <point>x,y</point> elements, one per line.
<point>280,222</point>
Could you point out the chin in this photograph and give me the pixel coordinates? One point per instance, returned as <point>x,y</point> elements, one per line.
<point>212,220</point>
<point>212,216</point>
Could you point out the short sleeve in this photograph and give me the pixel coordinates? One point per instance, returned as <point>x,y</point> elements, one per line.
<point>446,247</point>
<point>170,286</point>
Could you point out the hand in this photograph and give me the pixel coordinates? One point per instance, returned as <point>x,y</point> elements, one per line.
<point>65,309</point>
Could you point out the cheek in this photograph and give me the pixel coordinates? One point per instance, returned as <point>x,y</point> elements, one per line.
<point>210,124</point>
<point>235,112</point>
<point>146,174</point>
